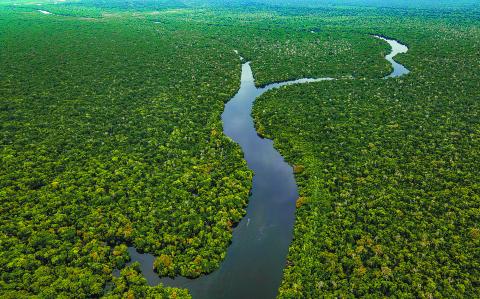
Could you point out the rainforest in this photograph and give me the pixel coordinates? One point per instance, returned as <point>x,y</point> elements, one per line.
<point>239,149</point>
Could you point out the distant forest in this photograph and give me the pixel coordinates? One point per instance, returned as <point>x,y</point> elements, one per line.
<point>426,4</point>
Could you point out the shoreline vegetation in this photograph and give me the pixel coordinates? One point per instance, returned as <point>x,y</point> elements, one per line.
<point>385,161</point>
<point>278,194</point>
<point>110,134</point>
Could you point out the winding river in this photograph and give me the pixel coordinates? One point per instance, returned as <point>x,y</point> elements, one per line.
<point>255,260</point>
<point>397,48</point>
<point>44,12</point>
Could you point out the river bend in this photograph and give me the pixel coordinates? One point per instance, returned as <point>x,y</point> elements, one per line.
<point>254,263</point>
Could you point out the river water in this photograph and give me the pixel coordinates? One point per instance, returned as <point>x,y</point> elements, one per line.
<point>397,48</point>
<point>254,263</point>
<point>44,12</point>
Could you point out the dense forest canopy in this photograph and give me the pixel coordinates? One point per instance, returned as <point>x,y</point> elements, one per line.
<point>390,191</point>
<point>355,3</point>
<point>110,136</point>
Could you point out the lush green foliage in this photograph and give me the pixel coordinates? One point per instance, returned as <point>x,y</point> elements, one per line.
<point>131,284</point>
<point>437,4</point>
<point>111,135</point>
<point>390,192</point>
<point>285,46</point>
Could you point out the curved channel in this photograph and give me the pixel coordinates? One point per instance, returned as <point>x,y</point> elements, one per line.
<point>397,48</point>
<point>254,263</point>
<point>44,12</point>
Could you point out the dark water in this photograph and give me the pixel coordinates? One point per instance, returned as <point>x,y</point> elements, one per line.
<point>255,260</point>
<point>44,12</point>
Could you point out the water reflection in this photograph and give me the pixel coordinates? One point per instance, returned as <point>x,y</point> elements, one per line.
<point>255,260</point>
<point>397,48</point>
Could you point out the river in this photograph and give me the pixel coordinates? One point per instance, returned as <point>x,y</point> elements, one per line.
<point>254,263</point>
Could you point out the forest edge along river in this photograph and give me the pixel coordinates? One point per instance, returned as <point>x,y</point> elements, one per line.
<point>255,260</point>
<point>397,48</point>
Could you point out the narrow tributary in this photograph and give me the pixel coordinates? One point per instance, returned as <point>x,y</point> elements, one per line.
<point>44,12</point>
<point>255,260</point>
<point>397,48</point>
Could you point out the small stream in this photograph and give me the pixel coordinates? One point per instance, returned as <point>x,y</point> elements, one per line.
<point>397,48</point>
<point>44,12</point>
<point>253,267</point>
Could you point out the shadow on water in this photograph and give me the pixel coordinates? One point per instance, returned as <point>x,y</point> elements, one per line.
<point>255,260</point>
